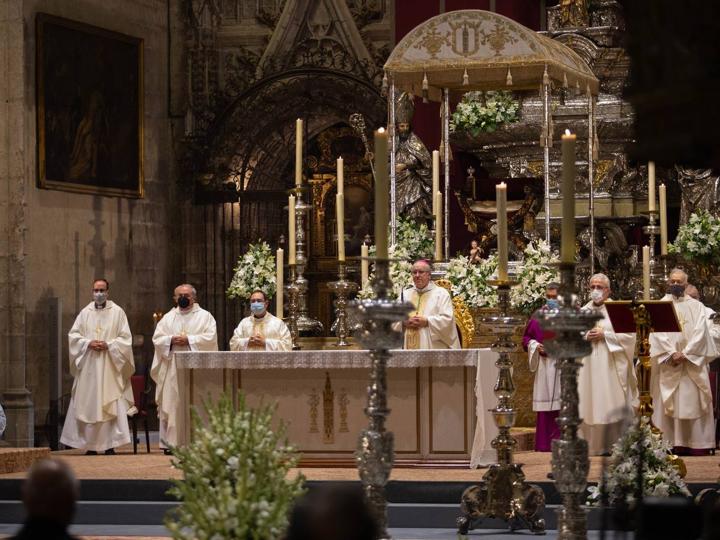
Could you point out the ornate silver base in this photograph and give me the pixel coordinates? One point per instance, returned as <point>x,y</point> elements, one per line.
<point>503,493</point>
<point>342,288</point>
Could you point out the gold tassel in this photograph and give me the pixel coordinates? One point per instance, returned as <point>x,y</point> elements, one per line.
<point>466,79</point>
<point>384,87</point>
<point>508,79</point>
<point>596,146</point>
<point>565,82</point>
<point>546,77</point>
<point>425,88</point>
<point>577,88</point>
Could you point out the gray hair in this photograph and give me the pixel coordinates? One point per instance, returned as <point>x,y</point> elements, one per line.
<point>678,271</point>
<point>194,291</point>
<point>601,277</point>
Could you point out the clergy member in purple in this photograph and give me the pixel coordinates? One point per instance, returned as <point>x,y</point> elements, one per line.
<point>546,388</point>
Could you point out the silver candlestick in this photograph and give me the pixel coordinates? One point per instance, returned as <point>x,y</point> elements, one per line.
<point>503,493</point>
<point>375,453</point>
<point>570,463</point>
<point>342,288</point>
<point>657,276</point>
<point>292,318</point>
<point>304,322</point>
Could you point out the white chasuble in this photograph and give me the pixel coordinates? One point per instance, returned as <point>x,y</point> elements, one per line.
<point>101,394</point>
<point>274,330</point>
<point>199,327</point>
<point>433,303</point>
<point>681,395</point>
<point>607,385</point>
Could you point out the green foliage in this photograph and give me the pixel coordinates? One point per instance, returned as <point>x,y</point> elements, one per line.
<point>255,270</point>
<point>480,112</point>
<point>699,239</point>
<point>235,472</point>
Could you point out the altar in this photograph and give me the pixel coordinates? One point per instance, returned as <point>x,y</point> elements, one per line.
<point>439,400</point>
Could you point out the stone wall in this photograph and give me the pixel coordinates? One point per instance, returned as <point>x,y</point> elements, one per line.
<point>53,243</point>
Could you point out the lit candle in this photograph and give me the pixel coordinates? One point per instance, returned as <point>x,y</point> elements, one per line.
<point>298,151</point>
<point>502,233</point>
<point>438,227</point>
<point>646,273</point>
<point>340,176</point>
<point>663,220</point>
<point>340,213</point>
<point>435,179</point>
<point>279,284</point>
<point>382,194</point>
<point>651,186</point>
<point>568,198</point>
<point>291,229</point>
<point>364,266</point>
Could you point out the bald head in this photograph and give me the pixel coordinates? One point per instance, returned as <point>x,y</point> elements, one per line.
<point>50,491</point>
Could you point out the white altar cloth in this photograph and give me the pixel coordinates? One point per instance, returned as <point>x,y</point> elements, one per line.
<point>483,359</point>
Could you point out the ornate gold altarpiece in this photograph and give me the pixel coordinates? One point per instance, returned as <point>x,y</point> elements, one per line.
<point>438,414</point>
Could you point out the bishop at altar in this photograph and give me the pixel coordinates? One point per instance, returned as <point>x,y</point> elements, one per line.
<point>101,361</point>
<point>680,384</point>
<point>186,327</point>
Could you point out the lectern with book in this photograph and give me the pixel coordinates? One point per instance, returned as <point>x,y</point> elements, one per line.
<point>642,318</point>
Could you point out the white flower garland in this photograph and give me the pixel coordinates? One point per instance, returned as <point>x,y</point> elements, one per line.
<point>255,270</point>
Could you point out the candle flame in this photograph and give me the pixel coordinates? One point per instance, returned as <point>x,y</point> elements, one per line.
<point>381,130</point>
<point>567,132</point>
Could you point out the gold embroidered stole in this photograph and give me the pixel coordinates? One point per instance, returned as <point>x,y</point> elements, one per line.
<point>412,335</point>
<point>258,331</point>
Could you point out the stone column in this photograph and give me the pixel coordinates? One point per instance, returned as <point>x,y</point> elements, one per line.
<point>14,163</point>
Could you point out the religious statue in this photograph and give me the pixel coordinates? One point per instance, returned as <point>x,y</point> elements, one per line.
<point>700,191</point>
<point>413,167</point>
<point>475,252</point>
<point>574,13</point>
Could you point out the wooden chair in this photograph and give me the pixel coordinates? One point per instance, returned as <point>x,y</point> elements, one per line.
<point>138,386</point>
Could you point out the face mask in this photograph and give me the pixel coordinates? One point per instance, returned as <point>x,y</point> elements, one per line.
<point>596,295</point>
<point>257,308</point>
<point>183,302</point>
<point>677,290</point>
<point>100,298</point>
<point>552,303</point>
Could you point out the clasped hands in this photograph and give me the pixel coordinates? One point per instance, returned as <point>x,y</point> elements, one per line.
<point>596,334</point>
<point>180,341</point>
<point>256,341</point>
<point>416,322</point>
<point>677,358</point>
<point>98,345</point>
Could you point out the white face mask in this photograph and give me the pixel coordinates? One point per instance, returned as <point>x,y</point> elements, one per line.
<point>597,295</point>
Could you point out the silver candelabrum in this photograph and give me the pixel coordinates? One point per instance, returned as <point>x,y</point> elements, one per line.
<point>504,493</point>
<point>658,267</point>
<point>378,333</point>
<point>304,322</point>
<point>570,463</point>
<point>292,318</point>
<point>342,288</point>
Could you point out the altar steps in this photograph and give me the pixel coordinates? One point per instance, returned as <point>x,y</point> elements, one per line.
<point>133,503</point>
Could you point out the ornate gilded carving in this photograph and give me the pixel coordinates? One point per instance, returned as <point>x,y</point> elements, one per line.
<point>328,411</point>
<point>463,315</point>
<point>314,402</point>
<point>343,402</point>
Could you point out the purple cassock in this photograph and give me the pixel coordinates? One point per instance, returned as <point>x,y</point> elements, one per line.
<point>546,428</point>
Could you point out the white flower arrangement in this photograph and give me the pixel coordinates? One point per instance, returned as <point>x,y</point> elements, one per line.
<point>235,471</point>
<point>535,274</point>
<point>660,477</point>
<point>477,113</point>
<point>400,268</point>
<point>470,281</point>
<point>699,239</point>
<point>414,239</point>
<point>255,270</point>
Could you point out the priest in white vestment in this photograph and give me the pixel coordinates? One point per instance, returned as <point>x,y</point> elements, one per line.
<point>101,361</point>
<point>607,385</point>
<point>680,384</point>
<point>186,327</point>
<point>261,331</point>
<point>432,324</point>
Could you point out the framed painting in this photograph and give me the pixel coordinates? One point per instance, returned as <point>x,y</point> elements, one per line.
<point>89,108</point>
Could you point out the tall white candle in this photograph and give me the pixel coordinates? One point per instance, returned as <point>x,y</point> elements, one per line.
<point>502,232</point>
<point>646,272</point>
<point>568,198</point>
<point>651,186</point>
<point>291,229</point>
<point>663,220</point>
<point>438,227</point>
<point>340,214</point>
<point>340,176</point>
<point>435,179</point>
<point>382,194</point>
<point>364,265</point>
<point>298,151</point>
<point>279,278</point>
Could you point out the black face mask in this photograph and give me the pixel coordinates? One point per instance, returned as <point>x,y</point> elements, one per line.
<point>183,302</point>
<point>677,290</point>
